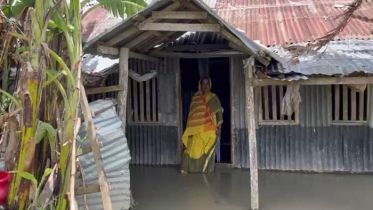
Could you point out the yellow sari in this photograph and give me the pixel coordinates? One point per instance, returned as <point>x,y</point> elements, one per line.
<point>200,137</point>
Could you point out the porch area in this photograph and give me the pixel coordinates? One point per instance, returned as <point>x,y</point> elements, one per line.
<point>164,188</point>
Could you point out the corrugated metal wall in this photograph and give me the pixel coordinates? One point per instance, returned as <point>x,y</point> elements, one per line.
<point>154,143</point>
<point>313,145</point>
<point>316,107</point>
<point>158,144</point>
<point>321,149</point>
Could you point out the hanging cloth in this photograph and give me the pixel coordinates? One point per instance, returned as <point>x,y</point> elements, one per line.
<point>291,100</point>
<point>142,78</point>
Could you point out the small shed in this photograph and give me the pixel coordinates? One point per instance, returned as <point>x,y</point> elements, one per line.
<point>306,114</point>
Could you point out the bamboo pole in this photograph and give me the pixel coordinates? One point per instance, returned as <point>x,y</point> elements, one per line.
<point>104,187</point>
<point>252,134</point>
<point>73,165</point>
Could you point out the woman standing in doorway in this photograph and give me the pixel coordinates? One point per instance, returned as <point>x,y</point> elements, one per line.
<point>203,130</point>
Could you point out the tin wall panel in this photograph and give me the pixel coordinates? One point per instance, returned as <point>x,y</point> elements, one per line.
<point>156,143</point>
<point>115,156</point>
<point>316,107</point>
<point>320,149</point>
<point>153,144</point>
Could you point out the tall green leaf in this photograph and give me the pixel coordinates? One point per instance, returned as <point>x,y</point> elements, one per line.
<point>123,8</point>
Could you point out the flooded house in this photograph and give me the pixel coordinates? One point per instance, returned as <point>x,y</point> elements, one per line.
<point>284,110</point>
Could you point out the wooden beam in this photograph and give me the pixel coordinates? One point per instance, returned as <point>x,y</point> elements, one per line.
<point>252,134</point>
<point>91,130</point>
<point>139,39</point>
<point>144,57</point>
<point>107,89</point>
<point>131,31</point>
<point>166,43</point>
<point>217,54</point>
<point>123,82</point>
<point>179,27</point>
<point>227,34</point>
<point>115,51</point>
<point>317,81</point>
<point>87,190</point>
<point>138,18</point>
<point>106,50</point>
<point>192,15</point>
<point>197,47</point>
<point>157,41</point>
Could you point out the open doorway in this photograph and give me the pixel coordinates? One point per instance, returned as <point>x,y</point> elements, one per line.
<point>218,71</point>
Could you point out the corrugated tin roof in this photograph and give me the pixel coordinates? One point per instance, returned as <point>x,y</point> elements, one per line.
<point>275,22</point>
<point>115,156</point>
<point>338,57</point>
<point>125,25</point>
<point>97,22</point>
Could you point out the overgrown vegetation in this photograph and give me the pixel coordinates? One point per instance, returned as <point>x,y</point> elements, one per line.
<point>40,60</point>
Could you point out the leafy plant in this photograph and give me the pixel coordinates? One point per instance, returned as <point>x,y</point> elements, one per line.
<point>48,48</point>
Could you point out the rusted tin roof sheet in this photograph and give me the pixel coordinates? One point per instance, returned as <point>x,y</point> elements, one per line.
<point>97,22</point>
<point>275,22</point>
<point>337,58</point>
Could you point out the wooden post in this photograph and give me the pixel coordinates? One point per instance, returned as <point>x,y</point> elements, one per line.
<point>91,130</point>
<point>123,82</point>
<point>252,133</point>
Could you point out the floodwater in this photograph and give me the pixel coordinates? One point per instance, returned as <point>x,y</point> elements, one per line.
<point>163,188</point>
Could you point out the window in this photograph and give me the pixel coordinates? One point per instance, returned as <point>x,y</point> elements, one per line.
<point>143,101</point>
<point>349,105</point>
<point>270,99</point>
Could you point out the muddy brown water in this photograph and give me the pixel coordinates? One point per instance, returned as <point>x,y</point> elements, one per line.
<point>163,188</point>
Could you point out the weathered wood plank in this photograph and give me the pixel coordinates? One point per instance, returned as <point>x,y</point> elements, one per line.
<point>144,57</point>
<point>139,39</point>
<point>197,47</point>
<point>148,107</point>
<point>106,50</point>
<point>216,54</point>
<point>353,105</point>
<point>89,189</point>
<point>337,102</point>
<point>103,185</point>
<point>173,37</point>
<point>123,82</point>
<point>142,103</point>
<point>134,29</point>
<point>135,101</point>
<point>129,102</point>
<point>179,15</point>
<point>281,92</point>
<point>274,103</point>
<point>154,99</point>
<point>179,27</point>
<point>266,103</point>
<point>361,106</point>
<point>228,35</point>
<point>345,102</point>
<point>115,51</point>
<point>104,89</point>
<point>252,136</point>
